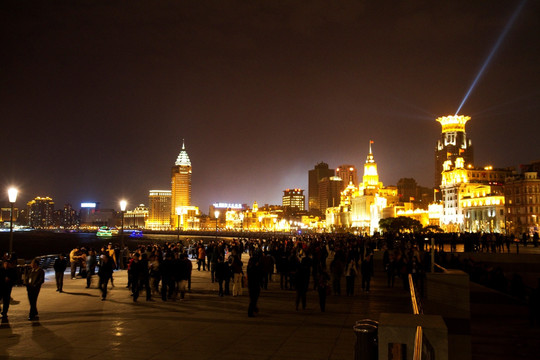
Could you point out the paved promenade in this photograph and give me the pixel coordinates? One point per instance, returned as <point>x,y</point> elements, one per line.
<point>76,324</point>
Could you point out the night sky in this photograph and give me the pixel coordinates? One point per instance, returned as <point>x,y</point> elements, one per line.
<point>96,96</point>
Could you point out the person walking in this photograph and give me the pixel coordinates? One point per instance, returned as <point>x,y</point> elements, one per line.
<point>105,273</point>
<point>350,275</point>
<point>236,268</point>
<point>74,260</point>
<point>254,275</point>
<point>60,266</point>
<point>8,277</point>
<point>91,262</point>
<point>323,287</point>
<point>367,271</point>
<point>34,279</point>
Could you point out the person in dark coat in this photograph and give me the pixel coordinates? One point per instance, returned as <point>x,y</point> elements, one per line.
<point>34,280</point>
<point>105,273</point>
<point>166,268</point>
<point>323,287</point>
<point>301,281</point>
<point>135,271</point>
<point>222,274</point>
<point>8,277</point>
<point>367,271</point>
<point>254,274</point>
<point>60,266</point>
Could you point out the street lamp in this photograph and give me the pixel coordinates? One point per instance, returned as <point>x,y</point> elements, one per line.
<point>274,220</point>
<point>179,211</point>
<point>12,194</point>
<point>216,214</point>
<point>123,204</point>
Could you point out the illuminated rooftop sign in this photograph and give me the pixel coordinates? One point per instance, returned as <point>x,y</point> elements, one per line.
<point>453,123</point>
<point>227,206</point>
<point>88,205</point>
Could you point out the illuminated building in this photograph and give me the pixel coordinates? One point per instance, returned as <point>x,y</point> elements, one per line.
<point>136,218</point>
<point>68,217</point>
<point>460,184</point>
<point>348,174</point>
<point>368,200</point>
<point>294,199</point>
<point>319,172</point>
<point>452,144</point>
<point>159,210</point>
<point>40,212</point>
<point>523,201</point>
<point>329,192</point>
<point>483,208</point>
<point>5,211</point>
<point>229,214</point>
<point>180,184</point>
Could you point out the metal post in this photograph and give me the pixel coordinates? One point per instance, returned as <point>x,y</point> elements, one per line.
<point>11,230</point>
<point>122,232</point>
<point>178,228</point>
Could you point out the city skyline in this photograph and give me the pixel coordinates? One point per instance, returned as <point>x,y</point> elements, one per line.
<point>96,100</point>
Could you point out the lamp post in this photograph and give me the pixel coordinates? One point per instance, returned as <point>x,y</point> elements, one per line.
<point>274,228</point>
<point>216,214</point>
<point>123,204</point>
<point>12,194</point>
<point>178,213</point>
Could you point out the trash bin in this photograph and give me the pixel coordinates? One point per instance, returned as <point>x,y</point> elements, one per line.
<point>366,347</point>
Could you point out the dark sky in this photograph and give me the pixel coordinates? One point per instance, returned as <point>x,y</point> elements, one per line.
<point>96,96</point>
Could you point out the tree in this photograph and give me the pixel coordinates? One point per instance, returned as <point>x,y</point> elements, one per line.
<point>400,224</point>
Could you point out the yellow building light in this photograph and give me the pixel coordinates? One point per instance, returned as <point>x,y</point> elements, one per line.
<point>453,123</point>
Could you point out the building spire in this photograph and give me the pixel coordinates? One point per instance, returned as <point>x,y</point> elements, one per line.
<point>370,158</point>
<point>183,158</point>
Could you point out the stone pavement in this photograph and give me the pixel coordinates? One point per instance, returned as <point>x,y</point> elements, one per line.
<point>76,324</point>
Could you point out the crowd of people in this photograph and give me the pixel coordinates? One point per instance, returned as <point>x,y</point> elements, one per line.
<point>299,263</point>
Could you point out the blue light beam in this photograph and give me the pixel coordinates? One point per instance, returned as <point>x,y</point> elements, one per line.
<point>493,51</point>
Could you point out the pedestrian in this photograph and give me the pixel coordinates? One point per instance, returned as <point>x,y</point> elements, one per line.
<point>8,278</point>
<point>254,275</point>
<point>135,271</point>
<point>366,269</point>
<point>184,275</point>
<point>201,258</point>
<point>60,266</point>
<point>91,262</point>
<point>222,272</point>
<point>323,288</point>
<point>74,261</point>
<point>336,269</point>
<point>105,274</point>
<point>236,268</point>
<point>350,275</point>
<point>301,279</point>
<point>34,279</point>
<point>166,268</point>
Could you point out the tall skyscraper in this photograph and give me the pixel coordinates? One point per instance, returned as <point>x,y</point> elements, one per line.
<point>40,212</point>
<point>294,199</point>
<point>329,192</point>
<point>452,144</point>
<point>159,210</point>
<point>319,172</point>
<point>180,184</point>
<point>348,174</point>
